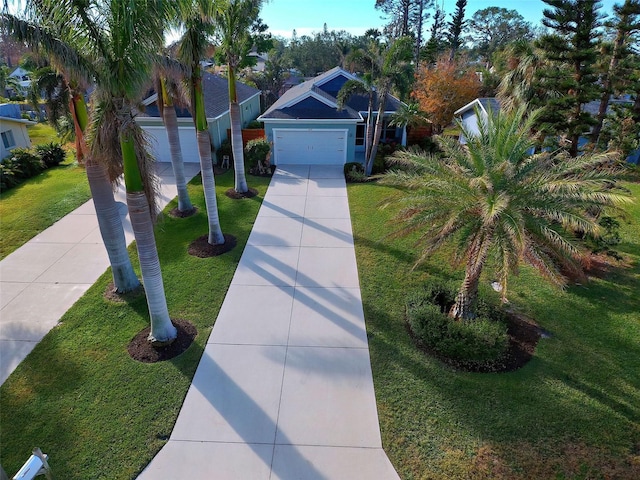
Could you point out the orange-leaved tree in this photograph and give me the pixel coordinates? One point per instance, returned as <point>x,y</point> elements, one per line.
<point>443,88</point>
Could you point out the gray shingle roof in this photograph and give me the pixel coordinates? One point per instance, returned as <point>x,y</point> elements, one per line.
<point>292,104</point>
<point>216,97</point>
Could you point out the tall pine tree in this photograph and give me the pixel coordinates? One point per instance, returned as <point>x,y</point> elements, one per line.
<point>456,25</point>
<point>572,52</point>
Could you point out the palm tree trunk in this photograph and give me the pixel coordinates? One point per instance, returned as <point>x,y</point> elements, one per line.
<point>369,131</point>
<point>110,223</point>
<point>80,116</point>
<point>206,165</point>
<point>208,183</point>
<point>377,134</point>
<point>236,134</point>
<point>162,330</point>
<point>170,120</point>
<point>466,298</point>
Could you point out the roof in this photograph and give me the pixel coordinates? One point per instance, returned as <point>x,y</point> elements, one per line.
<point>484,103</point>
<point>216,97</point>
<point>21,121</point>
<point>295,103</point>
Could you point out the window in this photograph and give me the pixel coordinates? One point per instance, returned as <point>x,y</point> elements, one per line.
<point>360,132</point>
<point>7,139</point>
<point>389,132</point>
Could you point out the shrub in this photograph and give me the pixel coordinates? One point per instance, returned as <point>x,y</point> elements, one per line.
<point>10,174</point>
<point>481,341</point>
<point>28,162</point>
<point>255,125</point>
<point>256,151</point>
<point>51,154</point>
<point>354,172</point>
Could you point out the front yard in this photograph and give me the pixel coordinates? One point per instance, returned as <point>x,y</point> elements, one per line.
<point>572,412</point>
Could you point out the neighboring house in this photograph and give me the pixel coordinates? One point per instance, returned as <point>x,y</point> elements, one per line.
<point>468,117</point>
<point>24,81</point>
<point>216,97</point>
<point>13,129</point>
<point>306,126</point>
<point>261,60</point>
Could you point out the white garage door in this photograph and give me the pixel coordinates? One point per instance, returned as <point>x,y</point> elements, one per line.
<point>310,146</point>
<point>160,144</point>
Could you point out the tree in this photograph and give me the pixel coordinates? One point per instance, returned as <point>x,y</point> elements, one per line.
<point>237,26</point>
<point>122,57</point>
<point>196,18</point>
<point>435,44</point>
<point>572,53</point>
<point>498,206</point>
<point>627,23</point>
<point>407,19</point>
<point>442,89</point>
<point>68,58</point>
<point>493,28</point>
<point>360,87</point>
<point>457,23</point>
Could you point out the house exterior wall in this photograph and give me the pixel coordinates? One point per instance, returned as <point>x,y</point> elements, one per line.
<point>18,133</point>
<point>249,110</point>
<point>302,124</point>
<point>470,122</point>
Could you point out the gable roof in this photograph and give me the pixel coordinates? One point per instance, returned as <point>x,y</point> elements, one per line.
<point>484,103</point>
<point>216,97</point>
<point>294,103</point>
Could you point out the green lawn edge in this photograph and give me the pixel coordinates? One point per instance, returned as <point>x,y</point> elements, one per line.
<point>81,398</point>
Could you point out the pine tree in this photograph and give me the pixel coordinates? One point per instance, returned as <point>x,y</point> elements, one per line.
<point>572,52</point>
<point>456,25</point>
<point>434,46</point>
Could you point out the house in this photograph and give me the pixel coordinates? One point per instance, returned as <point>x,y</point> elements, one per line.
<point>306,126</point>
<point>24,80</point>
<point>216,99</point>
<point>468,117</point>
<point>13,129</point>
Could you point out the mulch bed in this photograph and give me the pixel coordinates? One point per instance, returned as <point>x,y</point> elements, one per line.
<point>201,247</point>
<point>523,339</point>
<point>187,213</point>
<point>231,193</point>
<point>140,348</point>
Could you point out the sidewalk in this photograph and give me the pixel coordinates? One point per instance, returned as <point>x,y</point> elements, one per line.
<point>41,280</point>
<point>284,388</point>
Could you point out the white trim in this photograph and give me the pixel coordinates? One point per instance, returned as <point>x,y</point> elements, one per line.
<point>469,106</point>
<point>307,94</point>
<point>18,120</point>
<point>340,71</point>
<point>148,101</point>
<point>257,94</point>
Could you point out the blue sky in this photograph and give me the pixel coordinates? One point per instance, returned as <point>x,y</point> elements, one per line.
<point>356,16</point>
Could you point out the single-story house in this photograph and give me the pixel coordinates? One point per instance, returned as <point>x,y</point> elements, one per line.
<point>13,129</point>
<point>468,117</point>
<point>216,100</point>
<point>23,78</point>
<point>306,126</point>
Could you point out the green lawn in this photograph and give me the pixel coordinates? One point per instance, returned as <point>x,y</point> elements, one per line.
<point>572,412</point>
<point>81,398</point>
<point>39,202</point>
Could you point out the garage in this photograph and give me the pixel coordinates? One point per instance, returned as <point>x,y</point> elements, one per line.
<point>160,143</point>
<point>310,146</point>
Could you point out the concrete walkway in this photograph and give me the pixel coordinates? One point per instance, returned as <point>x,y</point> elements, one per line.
<point>41,280</point>
<point>284,387</point>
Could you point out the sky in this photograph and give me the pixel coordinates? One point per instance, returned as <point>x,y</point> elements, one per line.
<point>356,16</point>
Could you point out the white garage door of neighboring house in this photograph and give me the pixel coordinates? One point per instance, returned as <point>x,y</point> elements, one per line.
<point>160,144</point>
<point>310,146</point>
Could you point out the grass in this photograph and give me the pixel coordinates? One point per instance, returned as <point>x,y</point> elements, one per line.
<point>39,202</point>
<point>81,398</point>
<point>572,412</point>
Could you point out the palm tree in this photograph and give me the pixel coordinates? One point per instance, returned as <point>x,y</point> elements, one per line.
<point>121,38</point>
<point>233,21</point>
<point>360,87</point>
<point>74,67</point>
<point>196,17</point>
<point>395,72</point>
<point>494,202</point>
<point>166,90</point>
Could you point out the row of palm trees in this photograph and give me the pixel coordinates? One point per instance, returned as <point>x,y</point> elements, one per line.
<point>116,46</point>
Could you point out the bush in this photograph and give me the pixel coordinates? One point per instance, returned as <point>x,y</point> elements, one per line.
<point>28,163</point>
<point>256,151</point>
<point>354,172</point>
<point>10,174</point>
<point>51,154</point>
<point>255,125</point>
<point>481,341</point>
